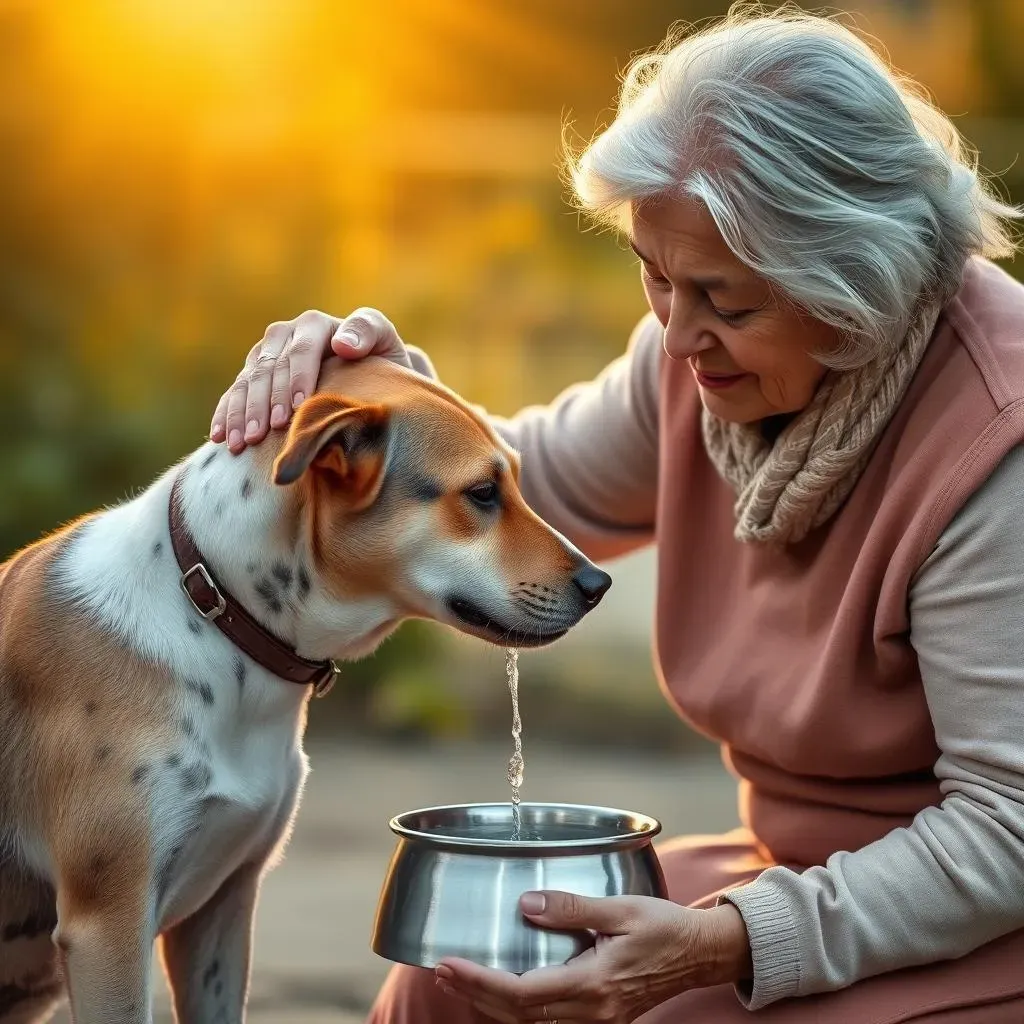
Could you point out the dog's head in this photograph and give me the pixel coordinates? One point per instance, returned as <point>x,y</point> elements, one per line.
<point>412,500</point>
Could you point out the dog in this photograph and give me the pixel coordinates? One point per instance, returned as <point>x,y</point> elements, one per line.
<point>157,658</point>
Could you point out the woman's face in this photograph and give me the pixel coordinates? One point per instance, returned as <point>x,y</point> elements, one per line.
<point>749,353</point>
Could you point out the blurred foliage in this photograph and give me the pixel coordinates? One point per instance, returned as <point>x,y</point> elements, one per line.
<point>177,176</point>
<point>405,690</point>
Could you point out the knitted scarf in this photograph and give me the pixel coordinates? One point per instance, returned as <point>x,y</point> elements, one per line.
<point>787,487</point>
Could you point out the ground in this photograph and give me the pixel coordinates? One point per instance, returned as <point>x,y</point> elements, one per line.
<point>312,961</point>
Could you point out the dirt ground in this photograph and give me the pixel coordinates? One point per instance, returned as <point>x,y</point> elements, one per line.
<point>312,961</point>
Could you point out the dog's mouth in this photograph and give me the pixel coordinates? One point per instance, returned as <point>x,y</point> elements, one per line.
<point>508,636</point>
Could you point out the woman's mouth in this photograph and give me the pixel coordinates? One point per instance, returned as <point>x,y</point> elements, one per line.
<point>716,381</point>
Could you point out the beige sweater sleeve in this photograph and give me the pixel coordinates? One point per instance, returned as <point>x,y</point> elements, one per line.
<point>951,881</point>
<point>590,458</point>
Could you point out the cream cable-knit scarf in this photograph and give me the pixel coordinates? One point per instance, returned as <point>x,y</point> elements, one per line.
<point>787,488</point>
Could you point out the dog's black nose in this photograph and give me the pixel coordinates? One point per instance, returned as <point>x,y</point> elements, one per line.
<point>592,583</point>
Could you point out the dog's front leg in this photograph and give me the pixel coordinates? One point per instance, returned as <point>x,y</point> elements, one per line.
<point>106,949</point>
<point>206,956</point>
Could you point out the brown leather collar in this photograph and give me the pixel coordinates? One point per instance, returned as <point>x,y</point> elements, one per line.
<point>216,605</point>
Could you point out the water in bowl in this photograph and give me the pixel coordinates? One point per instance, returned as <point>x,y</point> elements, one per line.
<point>551,832</point>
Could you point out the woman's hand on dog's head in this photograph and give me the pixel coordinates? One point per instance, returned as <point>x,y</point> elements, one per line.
<point>282,368</point>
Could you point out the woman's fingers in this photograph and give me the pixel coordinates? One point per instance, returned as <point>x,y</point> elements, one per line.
<point>234,422</point>
<point>235,409</point>
<point>488,1009</point>
<point>304,352</point>
<point>256,416</point>
<point>282,369</point>
<point>517,1012</point>
<point>560,992</point>
<point>220,417</point>
<point>281,392</point>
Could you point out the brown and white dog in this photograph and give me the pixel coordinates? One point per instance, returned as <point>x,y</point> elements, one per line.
<point>150,768</point>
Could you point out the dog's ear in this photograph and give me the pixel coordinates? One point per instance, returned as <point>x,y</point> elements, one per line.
<point>343,441</point>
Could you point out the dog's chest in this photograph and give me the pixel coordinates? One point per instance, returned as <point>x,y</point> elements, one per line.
<point>223,799</point>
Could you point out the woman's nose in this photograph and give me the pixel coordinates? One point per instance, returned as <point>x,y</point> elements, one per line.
<point>682,341</point>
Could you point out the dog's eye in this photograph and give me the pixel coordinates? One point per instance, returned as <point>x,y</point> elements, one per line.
<point>484,495</point>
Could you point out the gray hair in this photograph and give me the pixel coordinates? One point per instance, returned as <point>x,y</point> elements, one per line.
<point>826,173</point>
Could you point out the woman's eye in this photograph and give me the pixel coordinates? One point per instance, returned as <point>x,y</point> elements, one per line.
<point>484,495</point>
<point>728,316</point>
<point>654,279</point>
<point>731,316</point>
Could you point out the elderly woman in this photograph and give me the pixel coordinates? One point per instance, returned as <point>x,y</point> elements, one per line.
<point>819,425</point>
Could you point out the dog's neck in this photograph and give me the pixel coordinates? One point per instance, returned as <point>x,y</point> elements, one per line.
<point>255,538</point>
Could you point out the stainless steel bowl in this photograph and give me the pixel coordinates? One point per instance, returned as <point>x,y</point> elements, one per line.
<point>456,876</point>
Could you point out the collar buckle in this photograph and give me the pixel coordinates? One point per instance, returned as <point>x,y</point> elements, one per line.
<point>324,683</point>
<point>213,598</point>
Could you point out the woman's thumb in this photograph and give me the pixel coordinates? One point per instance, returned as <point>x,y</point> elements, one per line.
<point>554,909</point>
<point>368,332</point>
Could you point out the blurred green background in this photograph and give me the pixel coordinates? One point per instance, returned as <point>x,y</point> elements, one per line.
<point>177,176</point>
